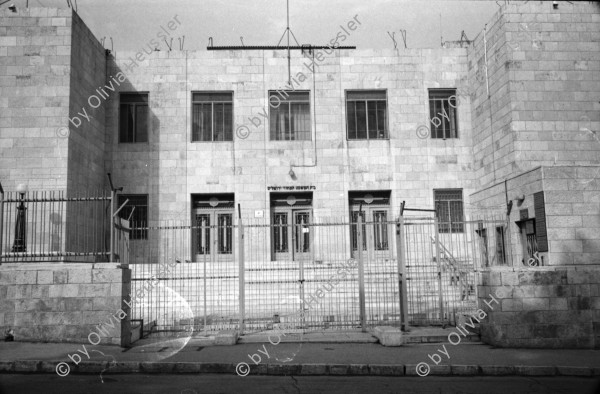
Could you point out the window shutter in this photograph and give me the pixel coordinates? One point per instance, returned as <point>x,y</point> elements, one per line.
<point>540,221</point>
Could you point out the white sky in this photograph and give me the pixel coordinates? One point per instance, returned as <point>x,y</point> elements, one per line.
<point>132,23</point>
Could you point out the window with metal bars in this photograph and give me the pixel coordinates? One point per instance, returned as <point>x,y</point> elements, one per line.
<point>289,116</point>
<point>212,116</point>
<point>374,216</point>
<point>136,211</point>
<point>529,241</point>
<point>291,234</point>
<point>500,245</point>
<point>133,117</point>
<point>449,210</point>
<point>213,225</point>
<point>222,232</point>
<point>442,113</point>
<point>366,114</point>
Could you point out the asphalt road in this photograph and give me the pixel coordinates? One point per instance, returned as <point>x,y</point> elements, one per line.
<point>225,383</point>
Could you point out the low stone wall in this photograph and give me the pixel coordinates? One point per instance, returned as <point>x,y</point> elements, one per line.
<point>542,307</point>
<point>62,302</point>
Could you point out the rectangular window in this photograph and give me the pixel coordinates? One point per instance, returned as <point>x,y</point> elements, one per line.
<point>280,232</point>
<point>449,210</point>
<point>289,116</point>
<point>442,113</point>
<point>366,114</point>
<point>291,218</point>
<point>500,246</point>
<point>529,241</point>
<point>373,207</point>
<point>133,117</point>
<point>136,211</point>
<point>212,116</point>
<point>212,218</point>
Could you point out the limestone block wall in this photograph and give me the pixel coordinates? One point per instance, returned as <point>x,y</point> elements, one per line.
<point>554,86</point>
<point>542,64</point>
<point>489,63</point>
<point>86,164</point>
<point>87,136</point>
<point>50,64</point>
<point>544,307</point>
<point>55,302</point>
<point>571,195</point>
<point>35,60</point>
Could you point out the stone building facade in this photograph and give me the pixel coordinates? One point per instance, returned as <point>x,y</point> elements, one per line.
<point>520,130</point>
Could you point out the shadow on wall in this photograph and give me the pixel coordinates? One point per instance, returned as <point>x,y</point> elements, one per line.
<point>136,153</point>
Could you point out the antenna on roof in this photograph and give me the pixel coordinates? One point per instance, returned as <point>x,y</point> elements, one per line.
<point>441,34</point>
<point>288,31</point>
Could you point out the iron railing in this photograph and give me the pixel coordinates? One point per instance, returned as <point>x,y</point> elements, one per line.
<point>54,226</point>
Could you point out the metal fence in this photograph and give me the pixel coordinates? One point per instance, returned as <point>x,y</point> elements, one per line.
<point>231,275</point>
<point>249,275</point>
<point>442,263</point>
<point>51,226</point>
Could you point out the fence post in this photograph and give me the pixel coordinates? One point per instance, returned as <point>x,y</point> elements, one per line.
<point>112,226</point>
<point>1,220</point>
<point>300,228</point>
<point>242,280</point>
<point>402,285</point>
<point>439,265</point>
<point>361,275</point>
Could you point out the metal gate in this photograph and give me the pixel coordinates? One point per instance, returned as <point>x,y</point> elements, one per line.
<point>441,261</point>
<point>324,283</point>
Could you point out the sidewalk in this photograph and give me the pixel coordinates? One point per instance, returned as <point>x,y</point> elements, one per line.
<point>314,357</point>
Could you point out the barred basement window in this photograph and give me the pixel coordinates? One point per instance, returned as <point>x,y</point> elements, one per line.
<point>133,117</point>
<point>289,117</point>
<point>366,114</point>
<point>442,113</point>
<point>449,210</point>
<point>138,204</point>
<point>212,116</point>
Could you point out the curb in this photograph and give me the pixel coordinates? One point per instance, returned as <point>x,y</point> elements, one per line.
<point>126,367</point>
